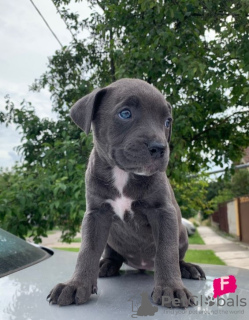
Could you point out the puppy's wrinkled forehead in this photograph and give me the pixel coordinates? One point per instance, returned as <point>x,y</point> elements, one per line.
<point>136,91</point>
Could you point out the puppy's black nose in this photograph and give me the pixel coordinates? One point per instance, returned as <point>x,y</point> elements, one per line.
<point>156,149</point>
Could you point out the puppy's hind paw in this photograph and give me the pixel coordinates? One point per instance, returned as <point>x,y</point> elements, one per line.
<point>191,271</point>
<point>109,268</point>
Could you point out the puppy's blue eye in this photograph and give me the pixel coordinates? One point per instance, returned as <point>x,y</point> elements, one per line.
<point>125,114</point>
<point>168,122</point>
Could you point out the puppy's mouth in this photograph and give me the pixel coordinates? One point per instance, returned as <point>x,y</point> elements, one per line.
<point>144,166</point>
<point>147,170</point>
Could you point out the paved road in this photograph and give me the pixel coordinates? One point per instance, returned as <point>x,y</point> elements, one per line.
<point>232,253</point>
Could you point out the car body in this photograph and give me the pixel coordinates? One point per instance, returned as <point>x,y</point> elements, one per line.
<point>189,226</point>
<point>24,292</point>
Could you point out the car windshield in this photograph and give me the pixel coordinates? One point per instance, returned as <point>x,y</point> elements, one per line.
<point>16,254</point>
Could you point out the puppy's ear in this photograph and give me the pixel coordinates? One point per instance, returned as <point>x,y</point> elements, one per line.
<point>83,110</point>
<point>170,129</point>
<point>170,133</point>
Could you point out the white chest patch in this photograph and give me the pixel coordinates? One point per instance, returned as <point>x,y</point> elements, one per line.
<point>121,203</point>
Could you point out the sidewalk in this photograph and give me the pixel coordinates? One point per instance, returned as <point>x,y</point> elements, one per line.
<point>232,253</point>
<point>53,241</point>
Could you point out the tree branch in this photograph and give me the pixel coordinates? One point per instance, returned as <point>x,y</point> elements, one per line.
<point>100,5</point>
<point>113,71</point>
<point>215,125</point>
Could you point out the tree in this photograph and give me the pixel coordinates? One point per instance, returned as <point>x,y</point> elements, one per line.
<point>166,43</point>
<point>192,198</point>
<point>231,186</point>
<point>48,189</point>
<point>240,183</point>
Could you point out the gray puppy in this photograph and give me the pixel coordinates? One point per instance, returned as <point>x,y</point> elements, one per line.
<point>131,215</point>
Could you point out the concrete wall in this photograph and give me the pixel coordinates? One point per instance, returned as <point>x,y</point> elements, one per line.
<point>231,217</point>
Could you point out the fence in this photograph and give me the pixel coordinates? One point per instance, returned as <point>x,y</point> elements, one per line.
<point>233,217</point>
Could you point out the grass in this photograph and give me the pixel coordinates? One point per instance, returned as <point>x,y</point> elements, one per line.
<point>67,249</point>
<point>76,240</point>
<point>195,238</point>
<point>203,256</point>
<point>51,231</point>
<point>194,256</point>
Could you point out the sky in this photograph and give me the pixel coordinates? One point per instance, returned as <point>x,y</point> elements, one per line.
<point>26,44</point>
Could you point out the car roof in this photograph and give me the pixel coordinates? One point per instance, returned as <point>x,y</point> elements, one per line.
<point>23,293</point>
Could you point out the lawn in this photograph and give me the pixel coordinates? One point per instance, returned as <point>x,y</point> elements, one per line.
<point>194,256</point>
<point>203,256</point>
<point>68,249</point>
<point>76,240</point>
<point>195,238</point>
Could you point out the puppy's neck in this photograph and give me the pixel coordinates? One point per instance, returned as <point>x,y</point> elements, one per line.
<point>102,155</point>
<point>102,167</point>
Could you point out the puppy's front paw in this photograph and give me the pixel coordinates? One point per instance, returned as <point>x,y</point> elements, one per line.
<point>191,271</point>
<point>72,292</point>
<point>169,296</point>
